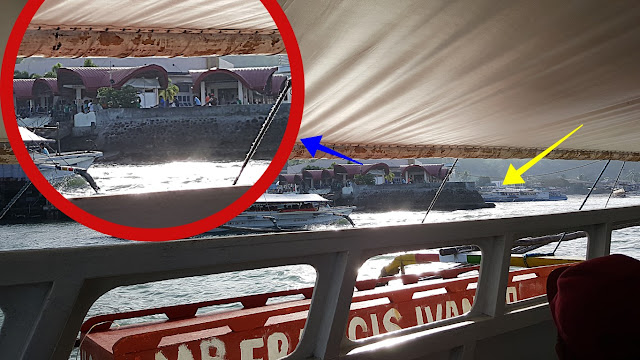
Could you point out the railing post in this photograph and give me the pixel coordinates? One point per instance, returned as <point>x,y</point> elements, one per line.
<point>22,306</point>
<point>327,321</point>
<point>494,275</point>
<point>599,243</point>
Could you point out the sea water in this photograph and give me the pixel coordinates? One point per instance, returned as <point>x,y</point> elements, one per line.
<point>140,178</point>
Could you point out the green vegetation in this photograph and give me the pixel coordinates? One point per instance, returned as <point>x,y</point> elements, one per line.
<point>390,177</point>
<point>554,182</point>
<point>25,75</point>
<point>114,98</point>
<point>170,93</point>
<point>54,71</point>
<point>366,179</point>
<point>89,63</point>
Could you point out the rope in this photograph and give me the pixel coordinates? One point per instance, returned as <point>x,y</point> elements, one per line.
<point>87,334</point>
<point>14,199</point>
<point>594,184</point>
<point>265,127</point>
<point>559,171</point>
<point>615,184</point>
<point>525,256</point>
<point>439,191</point>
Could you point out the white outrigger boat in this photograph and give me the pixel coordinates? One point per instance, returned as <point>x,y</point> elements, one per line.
<point>279,212</point>
<point>57,166</point>
<point>475,79</point>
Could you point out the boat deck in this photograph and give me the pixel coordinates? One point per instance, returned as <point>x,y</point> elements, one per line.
<point>46,302</point>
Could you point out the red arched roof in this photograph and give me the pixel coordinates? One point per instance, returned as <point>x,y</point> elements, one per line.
<point>328,174</point>
<point>290,178</point>
<point>253,78</point>
<point>277,84</point>
<point>44,85</point>
<point>435,170</point>
<point>314,174</point>
<point>352,169</point>
<point>379,166</point>
<point>94,78</point>
<point>23,88</point>
<point>412,168</point>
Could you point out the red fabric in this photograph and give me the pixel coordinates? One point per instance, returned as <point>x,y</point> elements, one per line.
<point>595,307</point>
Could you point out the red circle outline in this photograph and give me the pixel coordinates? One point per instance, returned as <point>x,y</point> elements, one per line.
<point>153,234</point>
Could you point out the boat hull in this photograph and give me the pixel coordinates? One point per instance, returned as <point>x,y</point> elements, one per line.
<point>47,164</point>
<point>293,220</point>
<point>513,196</point>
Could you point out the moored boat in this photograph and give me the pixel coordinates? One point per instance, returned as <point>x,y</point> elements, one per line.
<point>522,194</point>
<point>56,166</point>
<point>278,212</point>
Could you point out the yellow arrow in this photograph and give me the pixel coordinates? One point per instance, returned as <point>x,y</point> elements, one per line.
<point>515,176</point>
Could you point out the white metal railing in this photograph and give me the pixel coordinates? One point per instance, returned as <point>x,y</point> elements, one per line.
<point>45,294</point>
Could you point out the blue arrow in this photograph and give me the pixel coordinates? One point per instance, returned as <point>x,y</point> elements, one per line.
<point>313,145</point>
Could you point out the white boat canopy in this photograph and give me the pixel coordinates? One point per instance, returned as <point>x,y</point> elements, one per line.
<point>30,137</point>
<point>407,79</point>
<point>291,198</point>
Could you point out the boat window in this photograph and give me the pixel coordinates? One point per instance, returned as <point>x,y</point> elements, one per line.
<point>226,309</point>
<point>533,258</point>
<point>625,241</point>
<point>403,290</point>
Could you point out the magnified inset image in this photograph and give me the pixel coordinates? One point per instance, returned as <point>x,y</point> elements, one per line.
<point>154,123</point>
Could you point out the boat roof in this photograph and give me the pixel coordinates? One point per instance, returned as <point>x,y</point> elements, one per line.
<point>30,137</point>
<point>290,198</point>
<point>410,79</point>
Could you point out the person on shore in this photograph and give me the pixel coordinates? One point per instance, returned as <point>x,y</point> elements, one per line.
<point>43,149</point>
<point>213,101</point>
<point>207,100</point>
<point>197,101</point>
<point>90,106</point>
<point>176,102</point>
<point>162,103</point>
<point>67,111</point>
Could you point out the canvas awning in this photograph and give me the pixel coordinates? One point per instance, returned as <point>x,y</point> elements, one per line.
<point>388,79</point>
<point>151,28</point>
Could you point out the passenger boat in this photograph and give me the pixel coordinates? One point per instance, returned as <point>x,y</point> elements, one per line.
<point>619,192</point>
<point>522,194</point>
<point>408,79</point>
<point>57,166</point>
<point>280,212</point>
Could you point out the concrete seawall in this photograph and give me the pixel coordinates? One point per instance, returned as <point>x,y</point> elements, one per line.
<point>380,198</point>
<point>211,133</point>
